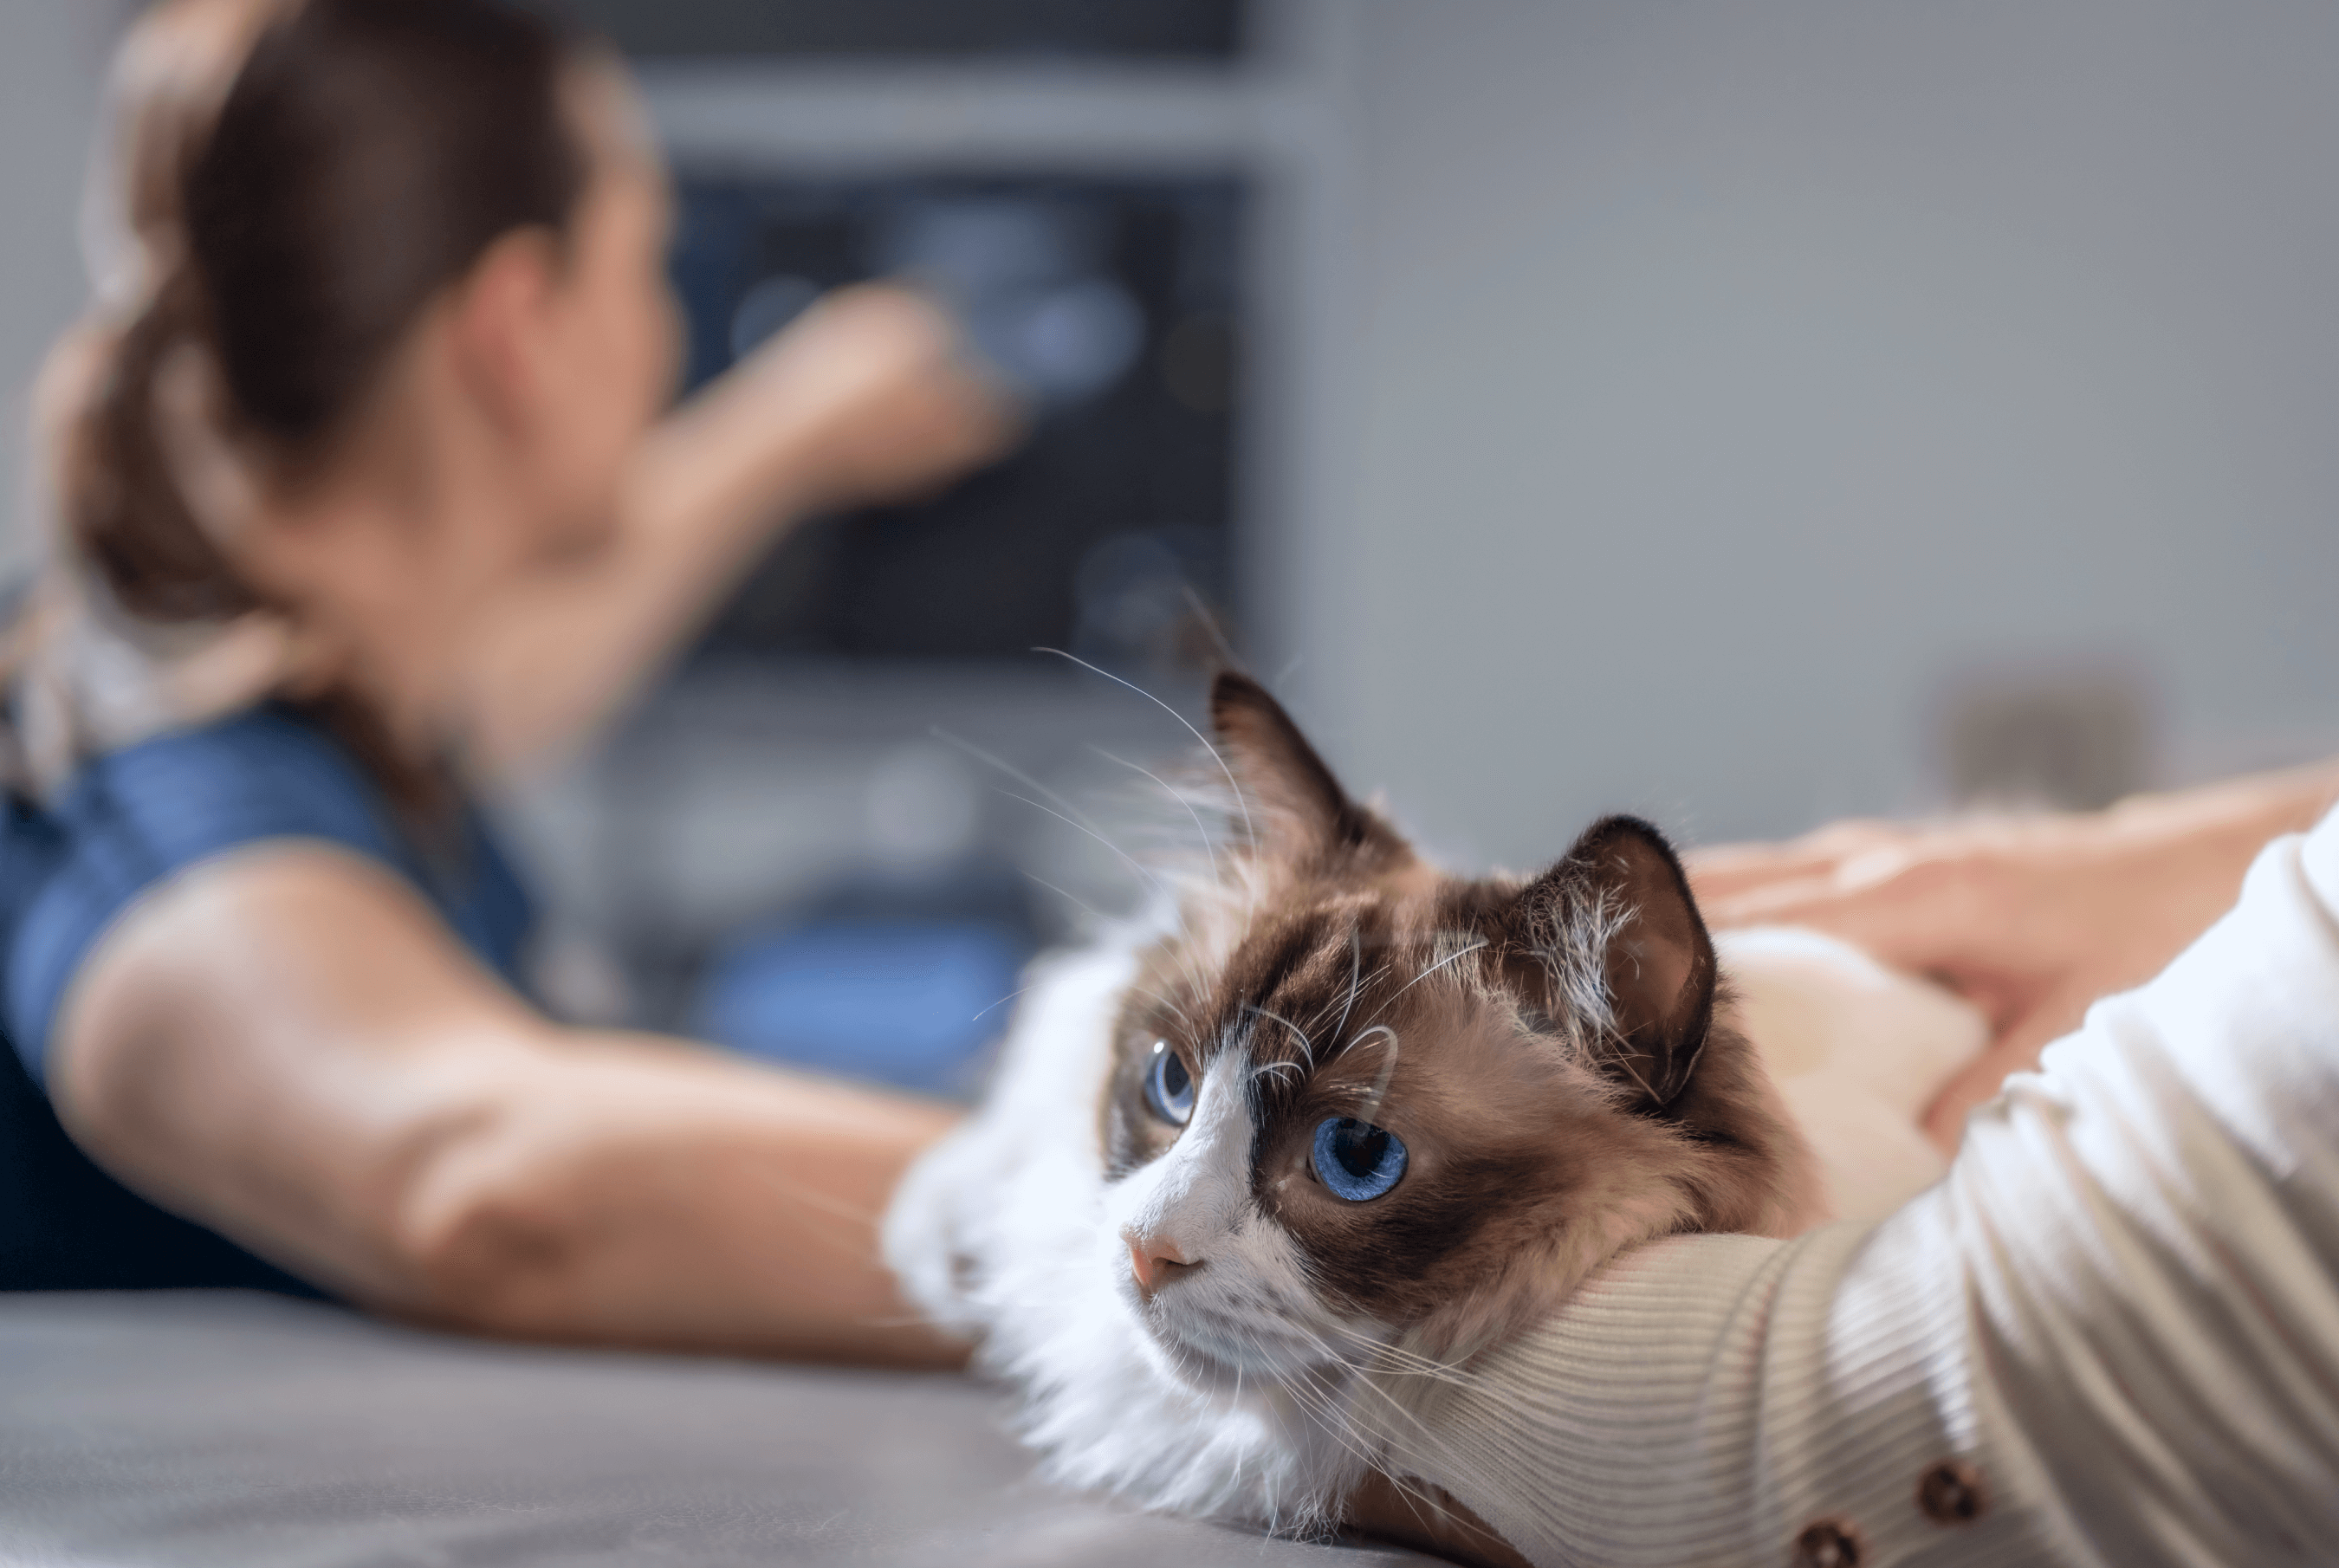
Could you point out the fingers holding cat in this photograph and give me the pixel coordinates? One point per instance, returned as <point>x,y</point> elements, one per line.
<point>2031,918</point>
<point>2014,1048</point>
<point>1722,872</point>
<point>1958,903</point>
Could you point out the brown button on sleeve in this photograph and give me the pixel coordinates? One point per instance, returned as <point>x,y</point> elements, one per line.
<point>1828,1544</point>
<point>1951,1492</point>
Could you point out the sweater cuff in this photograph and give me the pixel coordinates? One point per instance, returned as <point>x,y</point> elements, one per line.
<point>1719,1399</point>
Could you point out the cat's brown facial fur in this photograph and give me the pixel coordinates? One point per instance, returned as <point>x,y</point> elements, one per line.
<point>1547,1050</point>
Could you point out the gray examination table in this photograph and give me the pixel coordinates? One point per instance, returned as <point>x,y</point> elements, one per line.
<point>254,1432</point>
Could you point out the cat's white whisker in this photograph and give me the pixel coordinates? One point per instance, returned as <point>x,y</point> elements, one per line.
<point>1208,846</point>
<point>1412,1362</point>
<point>1307,1047</point>
<point>1003,765</point>
<point>1372,1102</point>
<point>1209,618</point>
<point>1068,813</point>
<point>1133,863</point>
<point>1178,1012</point>
<point>1423,1434</point>
<point>1250,830</point>
<point>1623,1063</point>
<point>1073,899</point>
<point>1101,921</point>
<point>1450,958</point>
<point>1263,1068</point>
<point>1355,974</point>
<point>1379,973</point>
<point>1331,1415</point>
<point>811,1196</point>
<point>1002,1002</point>
<point>1153,995</point>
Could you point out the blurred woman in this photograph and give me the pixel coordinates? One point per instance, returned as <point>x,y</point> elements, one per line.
<point>363,494</point>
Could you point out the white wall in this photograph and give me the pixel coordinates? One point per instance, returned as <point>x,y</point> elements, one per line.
<point>52,61</point>
<point>1726,376</point>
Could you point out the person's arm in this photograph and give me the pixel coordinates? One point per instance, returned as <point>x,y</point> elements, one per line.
<point>2110,1336</point>
<point>2031,918</point>
<point>863,399</point>
<point>284,1044</point>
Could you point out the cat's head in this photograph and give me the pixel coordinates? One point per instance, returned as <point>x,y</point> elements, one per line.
<point>1358,1100</point>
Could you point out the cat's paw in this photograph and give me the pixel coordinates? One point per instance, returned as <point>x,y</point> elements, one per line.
<point>932,1237</point>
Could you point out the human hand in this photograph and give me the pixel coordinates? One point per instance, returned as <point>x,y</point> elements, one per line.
<point>879,397</point>
<point>2029,918</point>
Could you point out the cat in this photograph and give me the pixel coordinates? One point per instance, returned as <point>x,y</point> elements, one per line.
<point>1252,1175</point>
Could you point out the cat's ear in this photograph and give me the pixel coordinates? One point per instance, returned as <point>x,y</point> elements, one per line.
<point>1619,906</point>
<point>1295,805</point>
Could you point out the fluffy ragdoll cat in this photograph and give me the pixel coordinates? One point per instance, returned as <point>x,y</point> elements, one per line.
<point>1250,1177</point>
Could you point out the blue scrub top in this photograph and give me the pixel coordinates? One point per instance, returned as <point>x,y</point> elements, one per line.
<point>126,822</point>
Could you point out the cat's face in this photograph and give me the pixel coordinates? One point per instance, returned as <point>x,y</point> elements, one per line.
<point>1369,1104</point>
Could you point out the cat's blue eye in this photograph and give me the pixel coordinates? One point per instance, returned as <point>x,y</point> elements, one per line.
<point>1356,1159</point>
<point>1169,1087</point>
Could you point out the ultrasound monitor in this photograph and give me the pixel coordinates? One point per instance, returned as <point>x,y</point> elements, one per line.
<point>1189,30</point>
<point>1110,304</point>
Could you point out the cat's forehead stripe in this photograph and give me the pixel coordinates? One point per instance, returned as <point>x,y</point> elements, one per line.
<point>1302,976</point>
<point>1283,968</point>
<point>1346,983</point>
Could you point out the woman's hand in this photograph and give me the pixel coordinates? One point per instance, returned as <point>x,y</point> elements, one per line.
<point>880,400</point>
<point>2029,918</point>
<point>866,396</point>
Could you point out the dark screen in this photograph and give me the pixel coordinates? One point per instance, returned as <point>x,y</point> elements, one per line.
<point>1112,305</point>
<point>1189,29</point>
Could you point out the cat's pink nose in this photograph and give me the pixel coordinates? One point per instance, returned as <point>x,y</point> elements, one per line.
<point>1156,1260</point>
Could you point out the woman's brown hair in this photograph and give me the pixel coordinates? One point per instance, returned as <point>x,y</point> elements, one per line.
<point>285,187</point>
<point>361,158</point>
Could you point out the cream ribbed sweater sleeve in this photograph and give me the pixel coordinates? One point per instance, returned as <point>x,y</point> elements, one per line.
<point>2111,1336</point>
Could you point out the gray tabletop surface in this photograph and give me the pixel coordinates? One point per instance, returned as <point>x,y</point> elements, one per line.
<point>252,1431</point>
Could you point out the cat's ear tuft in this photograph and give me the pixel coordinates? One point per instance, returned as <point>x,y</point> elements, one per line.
<point>1620,904</point>
<point>1296,806</point>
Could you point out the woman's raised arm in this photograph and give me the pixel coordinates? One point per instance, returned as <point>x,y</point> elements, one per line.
<point>285,1044</point>
<point>864,398</point>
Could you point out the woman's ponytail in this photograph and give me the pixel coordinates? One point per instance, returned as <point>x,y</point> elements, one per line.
<point>120,496</point>
<point>284,187</point>
<point>293,182</point>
